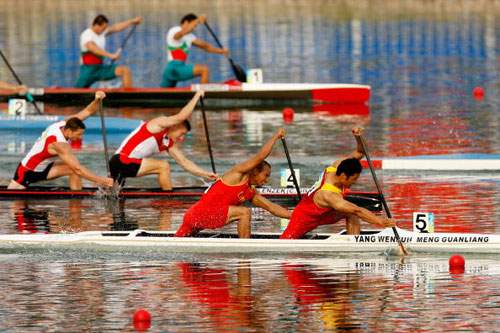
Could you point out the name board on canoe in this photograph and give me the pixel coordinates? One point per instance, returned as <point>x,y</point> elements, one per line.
<point>421,239</point>
<point>278,190</point>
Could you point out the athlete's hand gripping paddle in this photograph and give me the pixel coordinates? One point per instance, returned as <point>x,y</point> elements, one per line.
<point>28,95</point>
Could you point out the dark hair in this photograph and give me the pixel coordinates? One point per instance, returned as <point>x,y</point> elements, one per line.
<point>349,166</point>
<point>189,17</point>
<point>261,165</point>
<point>74,124</point>
<point>100,20</point>
<point>187,124</point>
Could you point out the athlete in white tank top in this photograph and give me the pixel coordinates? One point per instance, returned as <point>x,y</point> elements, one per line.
<point>51,156</point>
<point>157,135</point>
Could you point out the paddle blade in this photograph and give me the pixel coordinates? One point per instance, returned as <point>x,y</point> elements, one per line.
<point>238,72</point>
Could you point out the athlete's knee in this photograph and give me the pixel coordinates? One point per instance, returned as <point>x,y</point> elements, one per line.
<point>164,166</point>
<point>245,212</point>
<point>122,71</point>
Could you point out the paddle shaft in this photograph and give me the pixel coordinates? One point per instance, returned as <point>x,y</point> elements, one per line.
<point>207,135</point>
<point>104,140</point>
<point>240,74</point>
<point>295,182</point>
<point>125,41</point>
<point>379,188</point>
<point>28,95</point>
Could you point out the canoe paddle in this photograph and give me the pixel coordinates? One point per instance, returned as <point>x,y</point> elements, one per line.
<point>28,95</point>
<point>104,140</point>
<point>125,41</point>
<point>295,182</point>
<point>238,71</point>
<point>387,211</point>
<point>207,134</point>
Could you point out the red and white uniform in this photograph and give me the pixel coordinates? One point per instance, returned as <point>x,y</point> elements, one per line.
<point>142,143</point>
<point>89,58</point>
<point>211,211</point>
<point>39,158</point>
<point>307,215</point>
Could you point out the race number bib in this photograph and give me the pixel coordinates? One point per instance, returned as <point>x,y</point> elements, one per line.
<point>423,222</point>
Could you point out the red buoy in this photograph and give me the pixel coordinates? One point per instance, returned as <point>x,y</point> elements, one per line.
<point>478,93</point>
<point>142,320</point>
<point>457,260</point>
<point>288,114</point>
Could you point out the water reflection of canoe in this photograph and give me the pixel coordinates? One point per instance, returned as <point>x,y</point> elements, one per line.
<point>260,93</point>
<point>284,196</point>
<point>41,122</point>
<point>368,241</point>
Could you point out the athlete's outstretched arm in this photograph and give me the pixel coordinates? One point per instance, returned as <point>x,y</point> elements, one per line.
<point>264,152</point>
<point>338,203</point>
<point>123,25</point>
<point>63,150</point>
<point>159,124</point>
<point>271,207</point>
<point>90,109</point>
<point>189,165</point>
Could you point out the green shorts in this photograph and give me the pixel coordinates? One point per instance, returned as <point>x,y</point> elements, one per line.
<point>93,73</point>
<point>176,70</point>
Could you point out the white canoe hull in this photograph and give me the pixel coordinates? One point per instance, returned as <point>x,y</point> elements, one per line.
<point>380,241</point>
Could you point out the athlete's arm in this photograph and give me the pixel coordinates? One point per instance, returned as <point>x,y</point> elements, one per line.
<point>264,152</point>
<point>335,200</point>
<point>17,89</point>
<point>92,47</point>
<point>123,25</point>
<point>63,150</point>
<point>359,153</point>
<point>209,47</point>
<point>271,207</point>
<point>91,108</point>
<point>190,166</point>
<point>160,123</point>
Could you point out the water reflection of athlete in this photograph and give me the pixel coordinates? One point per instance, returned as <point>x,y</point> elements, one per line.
<point>29,220</point>
<point>325,293</point>
<point>325,202</point>
<point>225,302</point>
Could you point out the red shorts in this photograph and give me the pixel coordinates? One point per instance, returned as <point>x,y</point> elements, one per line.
<point>202,216</point>
<point>300,223</point>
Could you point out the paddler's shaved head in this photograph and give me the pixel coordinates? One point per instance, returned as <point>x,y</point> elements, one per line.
<point>261,166</point>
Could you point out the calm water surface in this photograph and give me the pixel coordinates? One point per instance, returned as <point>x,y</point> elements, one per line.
<point>422,63</point>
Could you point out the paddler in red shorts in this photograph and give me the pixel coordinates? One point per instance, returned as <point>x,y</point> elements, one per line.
<point>219,205</point>
<point>325,202</point>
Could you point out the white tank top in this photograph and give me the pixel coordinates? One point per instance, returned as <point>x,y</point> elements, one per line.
<point>39,157</point>
<point>142,143</point>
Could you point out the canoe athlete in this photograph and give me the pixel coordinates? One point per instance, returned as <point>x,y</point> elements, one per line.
<point>92,47</point>
<point>325,202</point>
<point>179,40</point>
<point>155,136</point>
<point>220,204</point>
<point>51,156</point>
